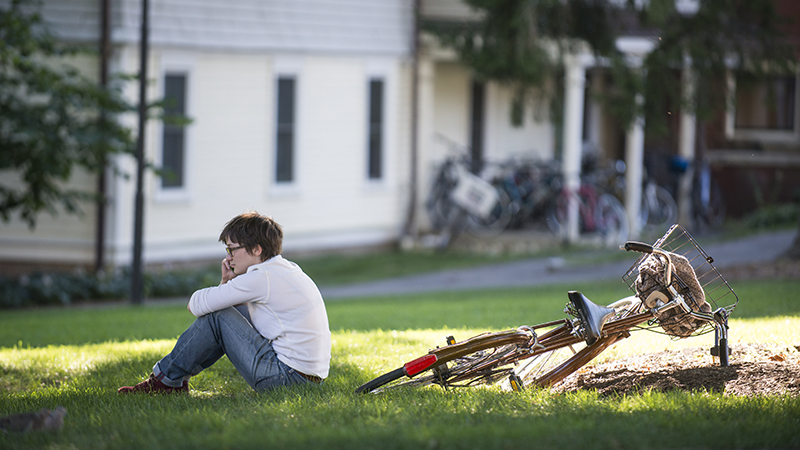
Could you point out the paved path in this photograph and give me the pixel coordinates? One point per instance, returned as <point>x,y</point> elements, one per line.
<point>540,271</point>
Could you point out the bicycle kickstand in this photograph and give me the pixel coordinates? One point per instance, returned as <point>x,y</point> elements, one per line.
<point>721,348</point>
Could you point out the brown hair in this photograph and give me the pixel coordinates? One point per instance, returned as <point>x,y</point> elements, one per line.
<point>251,230</point>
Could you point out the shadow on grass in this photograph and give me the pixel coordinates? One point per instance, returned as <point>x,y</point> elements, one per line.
<point>626,382</point>
<point>80,326</point>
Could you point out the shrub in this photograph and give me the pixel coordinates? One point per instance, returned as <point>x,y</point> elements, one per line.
<point>39,288</point>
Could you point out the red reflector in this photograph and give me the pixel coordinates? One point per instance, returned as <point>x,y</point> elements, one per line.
<point>418,365</point>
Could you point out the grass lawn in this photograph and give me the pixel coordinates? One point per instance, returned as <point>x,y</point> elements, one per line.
<point>77,357</point>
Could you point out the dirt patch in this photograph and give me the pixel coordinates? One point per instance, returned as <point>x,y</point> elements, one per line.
<point>754,369</point>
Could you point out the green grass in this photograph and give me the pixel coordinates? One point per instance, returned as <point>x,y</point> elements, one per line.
<point>77,358</point>
<point>344,269</point>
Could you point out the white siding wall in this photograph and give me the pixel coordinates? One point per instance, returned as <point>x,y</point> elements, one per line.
<point>502,140</point>
<point>340,26</point>
<point>534,139</point>
<point>231,151</point>
<point>451,108</point>
<point>74,20</point>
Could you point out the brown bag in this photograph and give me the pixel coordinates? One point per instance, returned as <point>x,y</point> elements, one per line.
<point>675,321</point>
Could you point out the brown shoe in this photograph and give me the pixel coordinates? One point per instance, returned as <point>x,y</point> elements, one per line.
<point>153,385</point>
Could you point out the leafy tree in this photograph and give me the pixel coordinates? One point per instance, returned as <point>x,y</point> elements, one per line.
<point>743,35</point>
<point>53,120</point>
<point>522,43</point>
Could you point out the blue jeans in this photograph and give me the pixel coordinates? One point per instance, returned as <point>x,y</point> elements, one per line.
<point>225,332</point>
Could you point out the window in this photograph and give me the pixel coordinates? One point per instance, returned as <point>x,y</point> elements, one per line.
<point>375,130</point>
<point>284,162</point>
<point>765,110</point>
<point>174,138</point>
<point>767,106</point>
<point>477,113</point>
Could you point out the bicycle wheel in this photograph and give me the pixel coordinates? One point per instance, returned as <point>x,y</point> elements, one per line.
<point>496,222</point>
<point>662,211</point>
<point>557,362</point>
<point>441,208</point>
<point>548,368</point>
<point>557,215</point>
<point>481,359</point>
<point>708,203</point>
<point>381,380</point>
<point>611,219</point>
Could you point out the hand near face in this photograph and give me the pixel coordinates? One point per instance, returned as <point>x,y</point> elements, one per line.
<point>239,259</point>
<point>227,272</point>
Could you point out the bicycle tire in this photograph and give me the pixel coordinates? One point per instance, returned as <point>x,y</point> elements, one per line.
<point>708,204</point>
<point>496,222</point>
<point>558,366</point>
<point>558,212</point>
<point>481,367</point>
<point>611,219</point>
<point>551,367</point>
<point>381,380</point>
<point>446,217</point>
<point>442,211</point>
<point>662,209</point>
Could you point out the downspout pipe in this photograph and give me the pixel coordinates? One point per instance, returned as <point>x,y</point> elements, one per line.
<point>105,52</point>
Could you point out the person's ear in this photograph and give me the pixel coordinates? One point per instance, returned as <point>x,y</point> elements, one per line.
<point>257,250</point>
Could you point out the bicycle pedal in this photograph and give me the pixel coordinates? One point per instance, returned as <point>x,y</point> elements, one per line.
<point>451,340</point>
<point>516,382</point>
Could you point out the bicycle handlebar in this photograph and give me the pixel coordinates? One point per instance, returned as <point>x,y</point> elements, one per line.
<point>633,246</point>
<point>641,247</point>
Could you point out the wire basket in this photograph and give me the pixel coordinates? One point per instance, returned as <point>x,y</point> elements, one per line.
<point>718,293</point>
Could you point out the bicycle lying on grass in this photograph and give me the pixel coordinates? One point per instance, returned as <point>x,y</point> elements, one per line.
<point>677,289</point>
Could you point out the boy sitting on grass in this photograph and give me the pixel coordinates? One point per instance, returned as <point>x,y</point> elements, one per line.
<point>286,340</point>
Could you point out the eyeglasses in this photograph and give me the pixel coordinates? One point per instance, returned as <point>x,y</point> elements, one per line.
<point>230,250</point>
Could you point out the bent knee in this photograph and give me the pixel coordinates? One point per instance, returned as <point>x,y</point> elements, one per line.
<point>272,382</point>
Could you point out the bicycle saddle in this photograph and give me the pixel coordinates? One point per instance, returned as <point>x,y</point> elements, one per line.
<point>592,316</point>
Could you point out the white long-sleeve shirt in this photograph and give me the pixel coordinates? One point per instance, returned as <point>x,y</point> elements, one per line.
<point>285,307</point>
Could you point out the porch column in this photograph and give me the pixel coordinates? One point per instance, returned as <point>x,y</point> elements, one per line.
<point>634,161</point>
<point>425,137</point>
<point>575,81</point>
<point>636,50</point>
<point>686,149</point>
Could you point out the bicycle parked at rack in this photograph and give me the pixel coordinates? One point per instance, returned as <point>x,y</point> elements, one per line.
<point>707,201</point>
<point>658,209</point>
<point>676,287</point>
<point>532,186</point>
<point>708,205</point>
<point>461,201</point>
<point>599,213</point>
